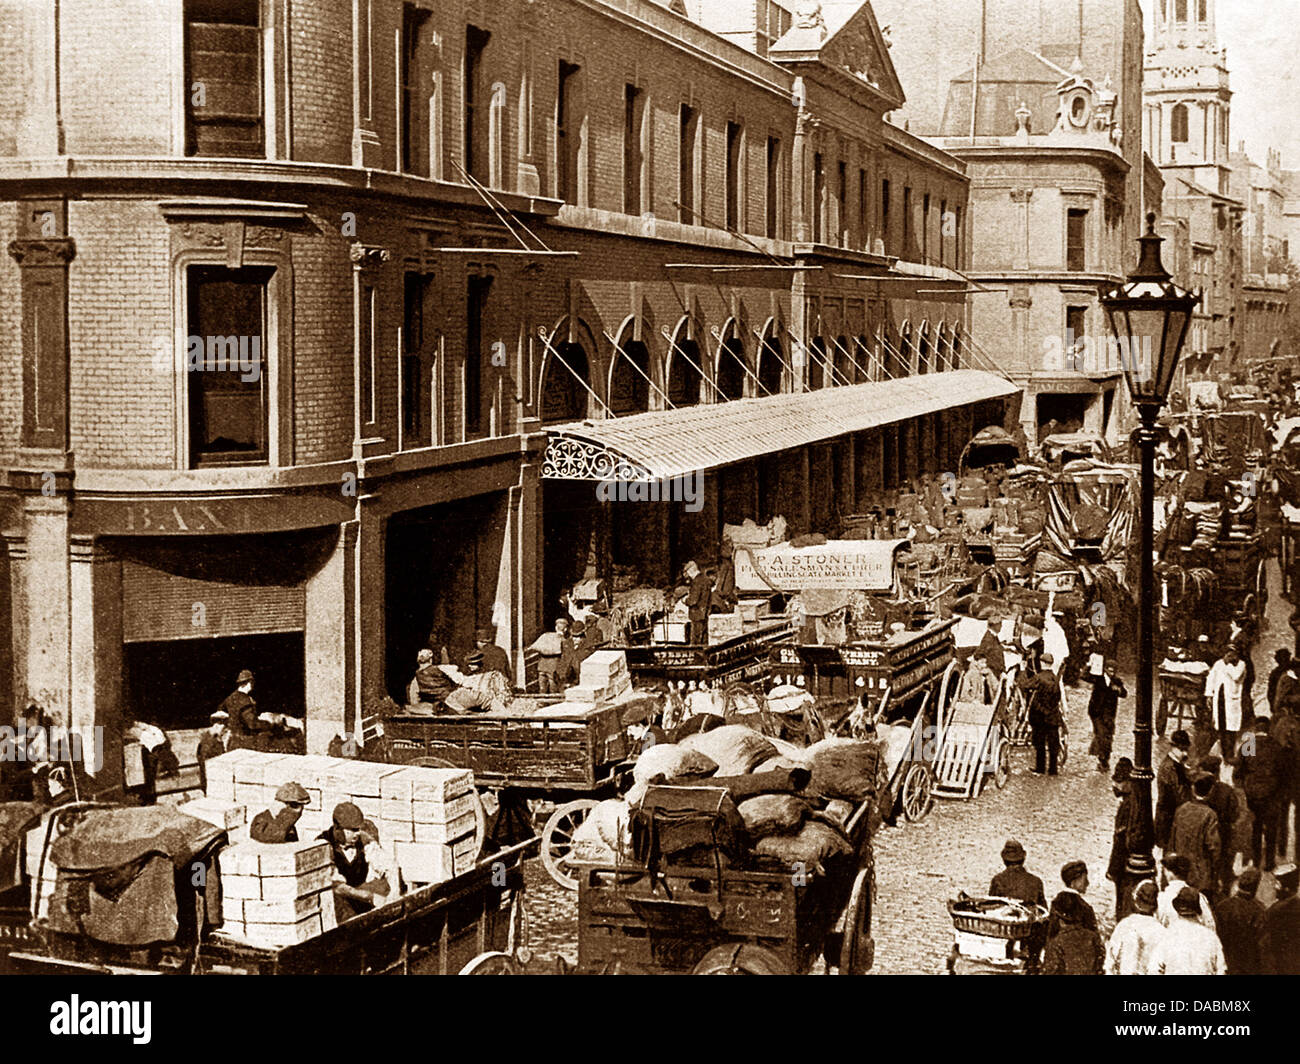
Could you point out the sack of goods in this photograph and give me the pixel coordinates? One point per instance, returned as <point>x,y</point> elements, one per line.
<point>733,794</point>
<point>426,818</point>
<point>276,894</point>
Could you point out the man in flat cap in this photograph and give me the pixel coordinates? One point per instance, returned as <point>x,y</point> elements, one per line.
<point>1195,834</point>
<point>1226,803</point>
<point>495,659</point>
<point>213,743</point>
<point>1103,704</point>
<point>247,729</point>
<point>1013,881</point>
<point>1134,938</point>
<point>1127,837</point>
<point>1074,874</point>
<point>1188,947</point>
<point>1240,921</point>
<point>279,823</point>
<point>1075,948</point>
<point>1280,942</point>
<point>1045,718</point>
<point>355,889</point>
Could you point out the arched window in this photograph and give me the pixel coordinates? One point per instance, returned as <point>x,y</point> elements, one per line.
<point>843,364</point>
<point>924,349</point>
<point>816,364</point>
<point>941,348</point>
<point>683,370</point>
<point>1178,124</point>
<point>770,364</point>
<point>905,351</point>
<point>629,385</point>
<point>1180,10</point>
<point>730,373</point>
<point>956,347</point>
<point>861,355</point>
<point>563,396</point>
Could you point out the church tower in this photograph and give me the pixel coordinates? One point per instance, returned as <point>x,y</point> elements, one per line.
<point>1186,95</point>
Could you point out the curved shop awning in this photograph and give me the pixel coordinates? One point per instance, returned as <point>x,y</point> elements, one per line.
<point>670,443</point>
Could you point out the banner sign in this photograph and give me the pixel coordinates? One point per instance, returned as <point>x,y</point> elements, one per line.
<point>865,565</point>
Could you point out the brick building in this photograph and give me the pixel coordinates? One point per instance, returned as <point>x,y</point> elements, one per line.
<point>303,301</point>
<point>1042,102</point>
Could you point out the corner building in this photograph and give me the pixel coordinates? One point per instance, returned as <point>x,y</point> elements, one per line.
<point>303,301</point>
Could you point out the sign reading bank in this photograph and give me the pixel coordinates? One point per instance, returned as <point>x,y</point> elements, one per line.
<point>851,565</point>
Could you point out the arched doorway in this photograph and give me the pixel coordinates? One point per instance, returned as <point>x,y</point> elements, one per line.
<point>565,371</point>
<point>903,367</point>
<point>771,362</point>
<point>843,362</point>
<point>817,364</point>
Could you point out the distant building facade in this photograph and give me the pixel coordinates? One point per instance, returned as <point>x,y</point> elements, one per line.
<point>1047,122</point>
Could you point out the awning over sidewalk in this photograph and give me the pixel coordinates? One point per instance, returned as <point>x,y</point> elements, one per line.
<point>669,443</point>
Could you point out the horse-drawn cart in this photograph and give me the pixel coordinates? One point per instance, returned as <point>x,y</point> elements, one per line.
<point>565,754</point>
<point>903,683</point>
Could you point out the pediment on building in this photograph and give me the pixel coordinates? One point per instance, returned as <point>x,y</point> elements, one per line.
<point>846,37</point>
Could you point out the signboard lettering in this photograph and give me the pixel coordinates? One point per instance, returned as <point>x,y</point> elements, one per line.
<point>866,565</point>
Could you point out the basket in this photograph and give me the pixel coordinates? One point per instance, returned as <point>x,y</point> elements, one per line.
<point>977,916</point>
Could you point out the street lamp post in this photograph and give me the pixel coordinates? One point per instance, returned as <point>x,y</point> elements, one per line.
<point>1148,315</point>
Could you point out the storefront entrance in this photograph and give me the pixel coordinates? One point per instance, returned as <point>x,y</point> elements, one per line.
<point>442,570</point>
<point>177,684</point>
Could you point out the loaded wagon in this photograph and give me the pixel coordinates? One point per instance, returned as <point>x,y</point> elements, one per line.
<point>713,919</point>
<point>566,754</point>
<point>903,682</point>
<point>434,929</point>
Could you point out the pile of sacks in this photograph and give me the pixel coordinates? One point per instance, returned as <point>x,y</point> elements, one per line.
<point>785,804</point>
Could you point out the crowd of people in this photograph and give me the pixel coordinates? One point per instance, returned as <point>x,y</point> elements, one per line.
<point>1174,927</point>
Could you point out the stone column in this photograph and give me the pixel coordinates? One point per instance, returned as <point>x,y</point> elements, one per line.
<point>95,651</point>
<point>329,651</point>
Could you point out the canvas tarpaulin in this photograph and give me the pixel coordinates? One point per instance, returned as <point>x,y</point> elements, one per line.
<point>117,873</point>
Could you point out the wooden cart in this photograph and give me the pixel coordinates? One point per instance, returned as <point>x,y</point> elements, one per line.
<point>717,920</point>
<point>434,929</point>
<point>572,761</point>
<point>741,658</point>
<point>973,747</point>
<point>907,679</point>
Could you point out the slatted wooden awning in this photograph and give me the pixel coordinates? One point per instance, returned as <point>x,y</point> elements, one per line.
<point>662,444</point>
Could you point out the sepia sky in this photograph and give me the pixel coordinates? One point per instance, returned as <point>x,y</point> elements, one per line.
<point>1263,42</point>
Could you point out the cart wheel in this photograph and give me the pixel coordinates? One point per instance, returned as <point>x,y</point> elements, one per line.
<point>917,795</point>
<point>740,958</point>
<point>1002,767</point>
<point>492,963</point>
<point>557,839</point>
<point>480,814</point>
<point>858,950</point>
